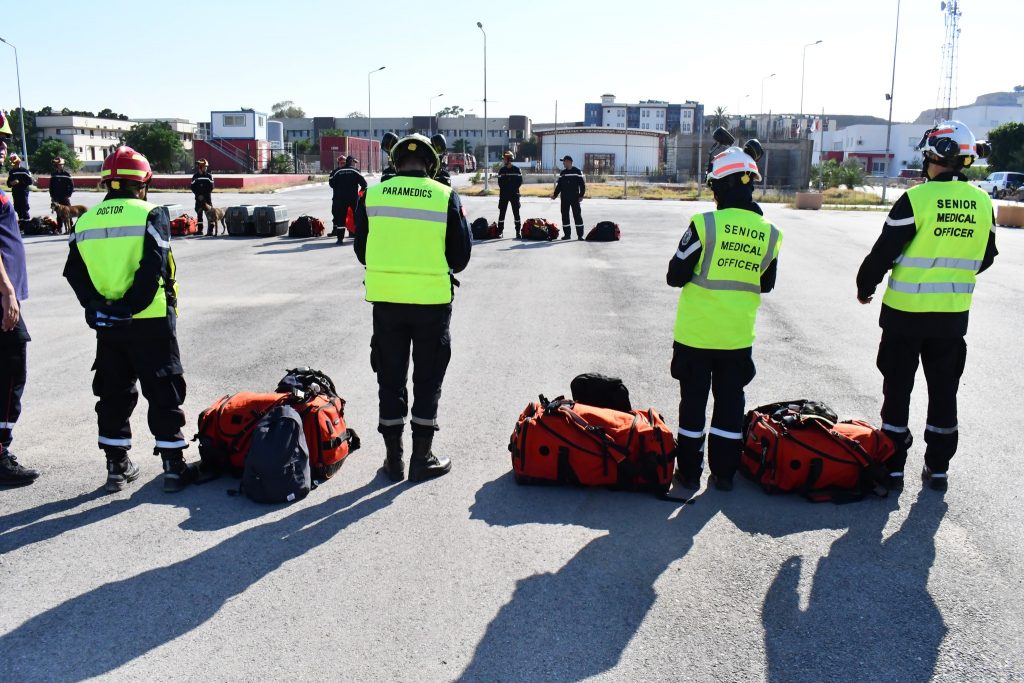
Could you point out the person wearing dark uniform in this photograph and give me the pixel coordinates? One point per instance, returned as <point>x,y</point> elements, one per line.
<point>20,180</point>
<point>571,186</point>
<point>938,236</point>
<point>202,188</point>
<point>386,143</point>
<point>347,182</point>
<point>510,178</point>
<point>62,185</point>
<point>121,268</point>
<point>412,236</point>
<point>14,336</point>
<point>726,259</point>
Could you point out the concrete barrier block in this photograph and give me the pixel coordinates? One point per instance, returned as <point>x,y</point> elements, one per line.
<point>1010,216</point>
<point>809,200</point>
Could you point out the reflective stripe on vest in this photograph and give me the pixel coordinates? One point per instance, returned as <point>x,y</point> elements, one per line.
<point>936,271</point>
<point>718,307</point>
<point>405,260</point>
<point>110,238</point>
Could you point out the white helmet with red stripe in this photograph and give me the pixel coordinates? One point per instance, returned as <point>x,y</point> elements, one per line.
<point>733,160</point>
<point>950,140</point>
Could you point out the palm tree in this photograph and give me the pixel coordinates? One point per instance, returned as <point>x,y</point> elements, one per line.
<point>720,118</point>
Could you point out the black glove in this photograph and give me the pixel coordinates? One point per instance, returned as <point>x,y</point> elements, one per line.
<point>105,314</point>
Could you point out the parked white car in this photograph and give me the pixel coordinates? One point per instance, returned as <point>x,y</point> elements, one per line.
<point>1001,184</point>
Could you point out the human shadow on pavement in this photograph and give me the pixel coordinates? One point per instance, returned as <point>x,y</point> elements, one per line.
<point>870,616</point>
<point>96,632</point>
<point>576,622</point>
<point>209,505</point>
<point>304,247</point>
<point>538,244</point>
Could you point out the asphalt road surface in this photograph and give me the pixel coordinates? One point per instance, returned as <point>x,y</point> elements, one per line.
<point>470,577</point>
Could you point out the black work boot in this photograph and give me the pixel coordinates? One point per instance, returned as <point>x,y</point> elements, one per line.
<point>424,464</point>
<point>177,475</point>
<point>567,236</point>
<point>393,468</point>
<point>895,464</point>
<point>936,481</point>
<point>519,230</point>
<point>724,459</point>
<point>579,232</point>
<point>121,471</point>
<point>14,474</point>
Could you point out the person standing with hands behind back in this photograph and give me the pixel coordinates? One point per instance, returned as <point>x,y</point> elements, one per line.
<point>571,186</point>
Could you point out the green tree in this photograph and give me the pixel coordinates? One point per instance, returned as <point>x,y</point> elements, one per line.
<point>305,147</point>
<point>826,175</point>
<point>1007,143</point>
<point>355,115</point>
<point>461,145</point>
<point>108,114</point>
<point>851,174</point>
<point>280,163</point>
<point>286,109</point>
<point>332,133</point>
<point>14,143</point>
<point>42,158</point>
<point>529,149</point>
<point>454,110</point>
<point>478,152</point>
<point>158,142</point>
<point>720,118</point>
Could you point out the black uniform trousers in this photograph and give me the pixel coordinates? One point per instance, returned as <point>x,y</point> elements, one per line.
<point>202,199</point>
<point>21,207</point>
<point>503,203</point>
<point>724,373</point>
<point>943,360</point>
<point>339,210</point>
<point>426,329</point>
<point>13,374</point>
<point>577,214</point>
<point>155,363</point>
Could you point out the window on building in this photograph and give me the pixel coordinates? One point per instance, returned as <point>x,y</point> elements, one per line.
<point>878,167</point>
<point>261,120</point>
<point>837,146</point>
<point>233,120</point>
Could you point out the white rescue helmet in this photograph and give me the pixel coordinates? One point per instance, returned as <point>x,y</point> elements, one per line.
<point>950,140</point>
<point>733,160</point>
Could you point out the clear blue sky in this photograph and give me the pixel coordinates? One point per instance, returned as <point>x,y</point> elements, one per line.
<point>191,57</point>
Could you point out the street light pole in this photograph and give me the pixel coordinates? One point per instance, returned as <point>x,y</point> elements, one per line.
<point>803,71</point>
<point>892,86</point>
<point>430,109</point>
<point>487,147</point>
<point>369,115</point>
<point>760,111</point>
<point>21,115</point>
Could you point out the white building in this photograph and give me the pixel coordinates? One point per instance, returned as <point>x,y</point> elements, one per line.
<point>91,138</point>
<point>238,125</point>
<point>602,151</point>
<point>866,145</point>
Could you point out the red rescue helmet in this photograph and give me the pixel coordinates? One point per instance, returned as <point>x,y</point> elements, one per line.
<point>127,165</point>
<point>5,125</point>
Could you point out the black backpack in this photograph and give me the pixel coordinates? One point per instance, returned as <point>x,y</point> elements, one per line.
<point>301,227</point>
<point>277,466</point>
<point>479,229</point>
<point>605,231</point>
<point>600,391</point>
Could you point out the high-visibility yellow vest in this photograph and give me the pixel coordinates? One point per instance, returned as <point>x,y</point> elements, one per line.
<point>110,239</point>
<point>936,271</point>
<point>405,261</point>
<point>718,307</point>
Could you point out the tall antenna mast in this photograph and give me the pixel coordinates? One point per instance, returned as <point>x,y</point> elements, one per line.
<point>950,50</point>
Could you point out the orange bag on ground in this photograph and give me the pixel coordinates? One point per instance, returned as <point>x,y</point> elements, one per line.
<point>565,442</point>
<point>800,446</point>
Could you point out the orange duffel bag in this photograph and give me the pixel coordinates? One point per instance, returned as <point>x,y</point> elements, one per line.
<point>565,442</point>
<point>800,446</point>
<point>226,427</point>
